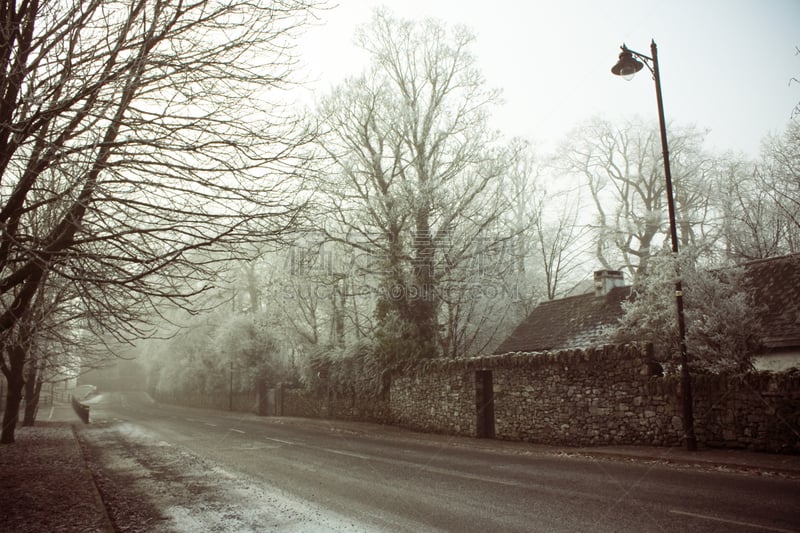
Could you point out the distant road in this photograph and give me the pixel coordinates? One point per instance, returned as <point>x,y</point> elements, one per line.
<point>430,484</point>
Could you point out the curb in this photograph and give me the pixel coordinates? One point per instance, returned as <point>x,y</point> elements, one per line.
<point>759,464</point>
<point>101,504</point>
<point>687,462</point>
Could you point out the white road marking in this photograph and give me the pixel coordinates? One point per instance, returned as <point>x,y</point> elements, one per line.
<point>236,430</point>
<point>348,454</point>
<point>733,522</point>
<point>428,468</point>
<point>210,424</point>
<point>282,441</point>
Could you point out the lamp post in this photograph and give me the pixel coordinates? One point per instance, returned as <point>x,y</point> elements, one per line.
<point>627,66</point>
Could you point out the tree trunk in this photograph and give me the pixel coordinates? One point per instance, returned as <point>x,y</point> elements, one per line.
<point>424,301</point>
<point>33,386</point>
<point>16,382</point>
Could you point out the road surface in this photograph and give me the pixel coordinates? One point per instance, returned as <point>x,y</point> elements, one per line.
<point>402,481</point>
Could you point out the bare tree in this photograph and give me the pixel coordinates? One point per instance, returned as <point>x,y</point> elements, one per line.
<point>524,194</point>
<point>558,242</point>
<point>779,176</point>
<point>543,213</point>
<point>757,201</point>
<point>40,346</point>
<point>750,224</point>
<point>413,178</point>
<point>146,130</point>
<point>623,168</point>
<point>794,80</point>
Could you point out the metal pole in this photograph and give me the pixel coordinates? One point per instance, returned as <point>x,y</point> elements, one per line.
<point>686,380</point>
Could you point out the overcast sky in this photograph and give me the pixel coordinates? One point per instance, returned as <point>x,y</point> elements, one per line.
<point>725,64</point>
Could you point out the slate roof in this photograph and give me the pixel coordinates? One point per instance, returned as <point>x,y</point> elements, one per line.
<point>775,283</point>
<point>573,322</point>
<point>579,321</point>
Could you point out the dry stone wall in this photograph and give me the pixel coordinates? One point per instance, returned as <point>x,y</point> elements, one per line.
<point>440,400</point>
<point>580,398</point>
<point>584,398</point>
<point>599,396</point>
<point>332,404</point>
<point>759,411</point>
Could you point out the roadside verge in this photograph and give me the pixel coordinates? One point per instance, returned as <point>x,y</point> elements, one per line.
<point>46,483</point>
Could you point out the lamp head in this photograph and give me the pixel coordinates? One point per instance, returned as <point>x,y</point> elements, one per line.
<point>627,65</point>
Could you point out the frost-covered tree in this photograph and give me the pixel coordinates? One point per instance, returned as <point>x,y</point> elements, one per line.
<point>415,173</point>
<point>214,353</point>
<point>623,167</point>
<point>251,348</point>
<point>722,330</point>
<point>780,178</point>
<point>749,222</point>
<point>757,203</point>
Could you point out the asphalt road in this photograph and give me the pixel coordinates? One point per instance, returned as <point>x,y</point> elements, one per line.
<point>441,484</point>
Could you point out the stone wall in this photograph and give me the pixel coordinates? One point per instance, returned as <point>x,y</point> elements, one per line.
<point>585,398</point>
<point>438,399</point>
<point>347,406</point>
<point>592,397</point>
<point>760,411</point>
<point>600,396</point>
<point>302,403</point>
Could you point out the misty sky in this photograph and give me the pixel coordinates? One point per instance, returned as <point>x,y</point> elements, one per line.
<point>726,65</point>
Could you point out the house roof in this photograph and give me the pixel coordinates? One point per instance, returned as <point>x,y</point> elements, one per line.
<point>775,285</point>
<point>573,322</point>
<point>580,321</point>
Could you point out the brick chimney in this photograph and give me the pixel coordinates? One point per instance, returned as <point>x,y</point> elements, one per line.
<point>605,280</point>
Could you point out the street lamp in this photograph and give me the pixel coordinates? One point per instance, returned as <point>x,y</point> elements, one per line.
<point>628,65</point>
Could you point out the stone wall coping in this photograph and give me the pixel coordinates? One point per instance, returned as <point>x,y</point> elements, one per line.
<point>533,359</point>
